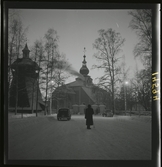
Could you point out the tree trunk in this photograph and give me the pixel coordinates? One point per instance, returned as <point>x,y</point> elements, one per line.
<point>17,82</point>
<point>22,113</point>
<point>46,92</point>
<point>33,97</point>
<point>37,88</point>
<point>9,78</point>
<point>16,101</point>
<point>37,98</point>
<point>113,103</point>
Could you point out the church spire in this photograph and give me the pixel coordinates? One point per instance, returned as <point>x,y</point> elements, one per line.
<point>26,51</point>
<point>84,61</point>
<point>84,70</point>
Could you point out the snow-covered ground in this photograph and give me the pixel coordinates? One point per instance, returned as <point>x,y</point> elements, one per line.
<point>111,138</point>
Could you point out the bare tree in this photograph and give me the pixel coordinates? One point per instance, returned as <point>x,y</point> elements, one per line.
<point>108,46</point>
<point>51,39</point>
<point>16,39</point>
<point>144,89</point>
<point>37,54</point>
<point>142,23</point>
<point>59,76</point>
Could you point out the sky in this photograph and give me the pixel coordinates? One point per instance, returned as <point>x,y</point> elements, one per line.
<point>78,29</point>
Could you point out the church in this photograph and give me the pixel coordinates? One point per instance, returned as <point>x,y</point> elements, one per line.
<point>78,94</point>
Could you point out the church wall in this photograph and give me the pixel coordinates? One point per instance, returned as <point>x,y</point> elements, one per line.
<point>67,102</point>
<point>81,97</point>
<point>85,99</point>
<point>76,100</point>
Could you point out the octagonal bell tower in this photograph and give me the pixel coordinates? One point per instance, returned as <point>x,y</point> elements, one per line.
<point>24,91</point>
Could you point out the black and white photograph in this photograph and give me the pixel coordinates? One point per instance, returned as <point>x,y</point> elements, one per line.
<point>80,84</point>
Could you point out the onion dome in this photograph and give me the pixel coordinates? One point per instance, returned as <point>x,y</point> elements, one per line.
<point>84,70</point>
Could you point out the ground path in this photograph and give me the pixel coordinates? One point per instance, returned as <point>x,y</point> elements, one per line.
<point>112,138</point>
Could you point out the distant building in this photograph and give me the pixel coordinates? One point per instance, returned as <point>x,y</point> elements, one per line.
<point>24,89</point>
<point>78,93</point>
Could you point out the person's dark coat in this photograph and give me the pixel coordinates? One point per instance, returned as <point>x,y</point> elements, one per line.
<point>88,115</point>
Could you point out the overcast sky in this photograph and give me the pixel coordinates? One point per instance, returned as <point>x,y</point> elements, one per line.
<point>78,29</point>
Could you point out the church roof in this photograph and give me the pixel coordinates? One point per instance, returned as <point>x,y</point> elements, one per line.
<point>26,48</point>
<point>89,93</point>
<point>87,90</point>
<point>24,62</point>
<point>75,83</point>
<point>65,89</point>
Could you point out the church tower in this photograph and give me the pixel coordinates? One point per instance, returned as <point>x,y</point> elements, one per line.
<point>85,71</point>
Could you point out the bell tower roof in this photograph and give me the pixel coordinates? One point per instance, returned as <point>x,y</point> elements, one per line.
<point>26,51</point>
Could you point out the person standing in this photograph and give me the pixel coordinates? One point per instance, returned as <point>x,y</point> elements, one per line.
<point>89,116</point>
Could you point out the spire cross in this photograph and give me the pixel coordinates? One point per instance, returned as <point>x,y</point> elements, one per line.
<point>84,50</point>
<point>26,40</point>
